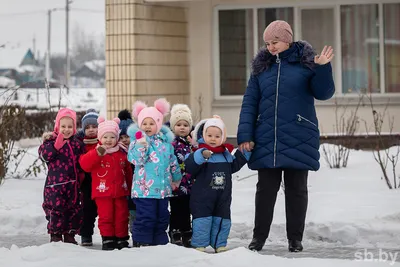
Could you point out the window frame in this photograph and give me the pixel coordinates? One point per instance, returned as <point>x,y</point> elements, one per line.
<point>297,7</point>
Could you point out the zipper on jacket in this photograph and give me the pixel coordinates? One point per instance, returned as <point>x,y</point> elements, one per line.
<point>57,184</point>
<point>278,61</point>
<point>300,118</point>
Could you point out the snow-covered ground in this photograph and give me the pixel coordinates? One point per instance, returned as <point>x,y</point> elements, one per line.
<point>352,217</point>
<point>76,98</point>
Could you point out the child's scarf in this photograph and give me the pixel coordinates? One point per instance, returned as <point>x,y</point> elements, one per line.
<point>218,149</point>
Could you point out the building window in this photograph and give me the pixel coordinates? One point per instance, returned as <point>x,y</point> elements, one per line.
<point>360,48</point>
<point>364,32</point>
<point>235,50</point>
<point>391,22</point>
<point>317,28</point>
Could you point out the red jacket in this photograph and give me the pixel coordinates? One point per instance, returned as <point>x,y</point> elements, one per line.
<point>111,173</point>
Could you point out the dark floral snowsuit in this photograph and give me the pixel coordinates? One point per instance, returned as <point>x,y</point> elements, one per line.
<point>61,197</point>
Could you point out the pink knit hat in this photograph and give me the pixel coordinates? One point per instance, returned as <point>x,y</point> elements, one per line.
<point>65,113</point>
<point>278,30</point>
<point>111,126</point>
<point>141,111</point>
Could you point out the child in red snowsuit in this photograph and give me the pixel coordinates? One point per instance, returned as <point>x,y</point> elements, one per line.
<point>111,184</point>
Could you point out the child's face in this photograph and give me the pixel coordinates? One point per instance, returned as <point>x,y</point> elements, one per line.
<point>66,127</point>
<point>213,136</point>
<point>91,131</point>
<point>182,128</point>
<point>124,139</point>
<point>149,126</point>
<point>109,140</point>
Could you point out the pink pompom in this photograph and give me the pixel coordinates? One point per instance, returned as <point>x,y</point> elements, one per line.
<point>117,120</point>
<point>137,107</point>
<point>138,135</point>
<point>100,119</point>
<point>162,105</point>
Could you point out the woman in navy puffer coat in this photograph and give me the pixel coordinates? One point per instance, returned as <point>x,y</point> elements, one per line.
<point>278,115</point>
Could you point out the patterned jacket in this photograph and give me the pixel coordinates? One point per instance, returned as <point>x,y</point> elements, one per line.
<point>62,165</point>
<point>182,147</point>
<point>155,166</point>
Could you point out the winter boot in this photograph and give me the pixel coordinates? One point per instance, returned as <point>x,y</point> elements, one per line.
<point>86,241</point>
<point>136,244</point>
<point>56,238</point>
<point>122,242</point>
<point>256,244</point>
<point>176,237</point>
<point>70,238</point>
<point>221,249</point>
<point>295,246</point>
<point>108,243</point>
<point>187,239</point>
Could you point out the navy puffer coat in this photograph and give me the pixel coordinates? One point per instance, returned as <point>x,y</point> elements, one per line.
<point>278,111</point>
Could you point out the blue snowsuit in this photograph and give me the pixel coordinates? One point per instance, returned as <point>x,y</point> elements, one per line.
<point>211,197</point>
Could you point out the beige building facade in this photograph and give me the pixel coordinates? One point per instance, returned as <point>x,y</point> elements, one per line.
<point>199,52</point>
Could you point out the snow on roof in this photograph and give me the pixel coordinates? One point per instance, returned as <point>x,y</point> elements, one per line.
<point>12,55</point>
<point>97,66</point>
<point>6,82</point>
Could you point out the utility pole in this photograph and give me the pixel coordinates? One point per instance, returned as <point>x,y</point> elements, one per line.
<point>48,54</point>
<point>67,2</point>
<point>34,46</point>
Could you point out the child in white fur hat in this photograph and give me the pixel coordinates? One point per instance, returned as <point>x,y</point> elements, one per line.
<point>211,167</point>
<point>180,228</point>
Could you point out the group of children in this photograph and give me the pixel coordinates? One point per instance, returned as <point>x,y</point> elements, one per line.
<point>140,175</point>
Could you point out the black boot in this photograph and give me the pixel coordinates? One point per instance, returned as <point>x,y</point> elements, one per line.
<point>136,244</point>
<point>256,244</point>
<point>86,241</point>
<point>295,246</point>
<point>176,237</point>
<point>122,242</point>
<point>108,243</point>
<point>56,238</point>
<point>187,239</point>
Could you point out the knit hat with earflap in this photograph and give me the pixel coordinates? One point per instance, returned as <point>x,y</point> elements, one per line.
<point>278,30</point>
<point>126,120</point>
<point>108,126</point>
<point>90,118</point>
<point>141,111</point>
<point>180,112</point>
<point>65,113</point>
<point>216,121</point>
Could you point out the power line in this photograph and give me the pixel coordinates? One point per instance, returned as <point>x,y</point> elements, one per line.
<point>88,10</point>
<point>22,13</point>
<point>2,15</point>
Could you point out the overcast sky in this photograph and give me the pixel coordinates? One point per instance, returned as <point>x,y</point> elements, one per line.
<point>20,29</point>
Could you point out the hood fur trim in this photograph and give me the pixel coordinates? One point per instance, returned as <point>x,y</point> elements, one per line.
<point>302,52</point>
<point>165,133</point>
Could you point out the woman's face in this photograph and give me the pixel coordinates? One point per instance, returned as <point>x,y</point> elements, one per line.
<point>276,47</point>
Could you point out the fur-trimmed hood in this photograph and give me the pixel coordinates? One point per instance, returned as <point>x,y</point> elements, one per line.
<point>197,133</point>
<point>300,51</point>
<point>165,133</point>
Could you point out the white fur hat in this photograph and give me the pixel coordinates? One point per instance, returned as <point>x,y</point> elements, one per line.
<point>180,112</point>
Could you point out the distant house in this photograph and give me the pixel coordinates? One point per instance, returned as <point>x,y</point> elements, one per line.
<point>90,75</point>
<point>20,71</point>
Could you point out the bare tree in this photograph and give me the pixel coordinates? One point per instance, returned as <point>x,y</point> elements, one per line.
<point>346,125</point>
<point>383,153</point>
<point>86,46</point>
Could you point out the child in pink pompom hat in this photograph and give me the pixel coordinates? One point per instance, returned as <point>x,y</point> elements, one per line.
<point>111,184</point>
<point>157,172</point>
